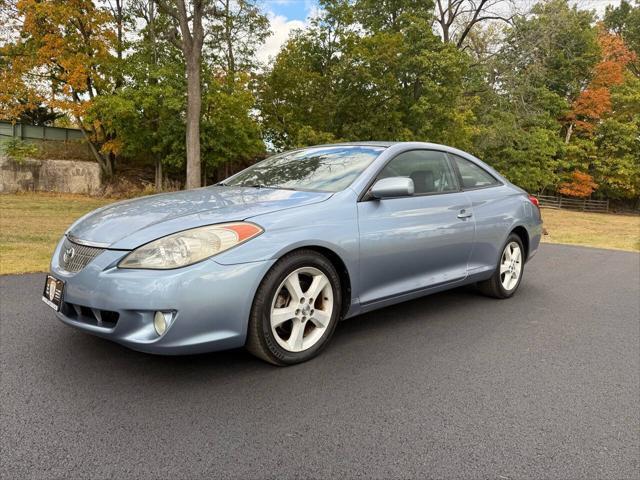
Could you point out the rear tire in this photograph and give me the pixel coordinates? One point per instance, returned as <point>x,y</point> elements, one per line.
<point>506,279</point>
<point>295,310</point>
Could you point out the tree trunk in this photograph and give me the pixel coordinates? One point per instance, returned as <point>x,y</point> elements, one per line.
<point>567,137</point>
<point>189,22</point>
<point>111,161</point>
<point>158,175</point>
<point>119,22</point>
<point>106,167</point>
<point>231,61</point>
<point>204,174</point>
<point>194,106</point>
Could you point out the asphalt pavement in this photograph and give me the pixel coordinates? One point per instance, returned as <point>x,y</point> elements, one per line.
<point>455,385</point>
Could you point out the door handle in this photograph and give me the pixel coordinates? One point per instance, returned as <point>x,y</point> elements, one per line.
<point>464,214</point>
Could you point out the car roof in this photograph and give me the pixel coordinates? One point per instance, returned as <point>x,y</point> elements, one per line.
<point>409,145</point>
<point>387,144</point>
<point>357,144</point>
<point>422,145</point>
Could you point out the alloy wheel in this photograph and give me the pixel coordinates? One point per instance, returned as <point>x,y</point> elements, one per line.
<point>510,266</point>
<point>301,309</point>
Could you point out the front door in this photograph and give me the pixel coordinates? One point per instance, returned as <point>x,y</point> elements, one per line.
<point>416,242</point>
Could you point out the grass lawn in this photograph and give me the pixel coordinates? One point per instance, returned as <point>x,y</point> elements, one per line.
<point>621,232</point>
<point>32,223</point>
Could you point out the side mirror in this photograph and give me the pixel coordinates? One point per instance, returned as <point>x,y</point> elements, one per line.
<point>392,187</point>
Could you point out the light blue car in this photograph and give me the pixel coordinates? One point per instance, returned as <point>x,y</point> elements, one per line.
<point>273,257</point>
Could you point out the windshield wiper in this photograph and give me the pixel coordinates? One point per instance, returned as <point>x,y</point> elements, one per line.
<point>222,184</point>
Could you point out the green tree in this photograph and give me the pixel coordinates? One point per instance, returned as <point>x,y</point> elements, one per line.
<point>616,164</point>
<point>624,20</point>
<point>297,93</point>
<point>145,116</point>
<point>234,37</point>
<point>230,134</point>
<point>544,62</point>
<point>388,64</point>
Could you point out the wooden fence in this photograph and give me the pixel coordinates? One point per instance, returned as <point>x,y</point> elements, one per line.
<point>582,204</point>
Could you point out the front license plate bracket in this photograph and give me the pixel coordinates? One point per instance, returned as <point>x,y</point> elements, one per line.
<point>53,292</point>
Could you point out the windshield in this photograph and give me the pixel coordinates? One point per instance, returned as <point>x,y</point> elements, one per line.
<point>327,169</point>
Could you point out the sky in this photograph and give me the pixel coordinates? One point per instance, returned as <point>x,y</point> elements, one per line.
<point>284,16</point>
<point>288,15</point>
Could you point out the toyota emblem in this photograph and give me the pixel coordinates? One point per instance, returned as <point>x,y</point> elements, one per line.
<point>69,253</point>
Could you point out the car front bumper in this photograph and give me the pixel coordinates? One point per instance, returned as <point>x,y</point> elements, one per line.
<point>209,303</point>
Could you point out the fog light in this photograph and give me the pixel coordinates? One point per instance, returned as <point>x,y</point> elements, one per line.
<point>159,323</point>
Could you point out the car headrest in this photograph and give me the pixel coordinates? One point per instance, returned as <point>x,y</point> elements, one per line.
<point>423,181</point>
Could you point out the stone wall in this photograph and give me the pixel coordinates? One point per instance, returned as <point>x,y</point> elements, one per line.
<point>67,176</point>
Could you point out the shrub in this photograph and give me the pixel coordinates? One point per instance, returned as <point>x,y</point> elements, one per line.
<point>581,185</point>
<point>18,150</point>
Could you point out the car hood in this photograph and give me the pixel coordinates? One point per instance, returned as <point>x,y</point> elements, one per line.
<point>131,223</point>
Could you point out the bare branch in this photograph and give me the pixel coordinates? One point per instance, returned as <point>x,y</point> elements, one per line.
<point>456,18</point>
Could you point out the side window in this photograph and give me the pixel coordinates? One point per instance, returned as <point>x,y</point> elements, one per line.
<point>472,175</point>
<point>430,171</point>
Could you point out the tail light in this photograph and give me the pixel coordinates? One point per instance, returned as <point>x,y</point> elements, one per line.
<point>534,200</point>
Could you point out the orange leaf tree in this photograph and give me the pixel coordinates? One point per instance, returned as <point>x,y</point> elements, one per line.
<point>581,185</point>
<point>61,58</point>
<point>594,102</point>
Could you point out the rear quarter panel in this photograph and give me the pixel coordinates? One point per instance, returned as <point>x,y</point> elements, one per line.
<point>497,212</point>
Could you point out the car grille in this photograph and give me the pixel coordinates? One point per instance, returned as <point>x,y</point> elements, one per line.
<point>74,257</point>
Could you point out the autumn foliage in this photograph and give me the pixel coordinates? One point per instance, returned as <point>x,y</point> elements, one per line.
<point>581,185</point>
<point>60,58</point>
<point>550,92</point>
<point>595,101</point>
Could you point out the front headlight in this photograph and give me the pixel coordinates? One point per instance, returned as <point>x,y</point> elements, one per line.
<point>189,246</point>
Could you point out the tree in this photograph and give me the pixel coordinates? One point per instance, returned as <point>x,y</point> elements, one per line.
<point>187,33</point>
<point>388,64</point>
<point>581,185</point>
<point>39,115</point>
<point>230,134</point>
<point>297,95</point>
<point>603,144</point>
<point>144,116</point>
<point>594,101</point>
<point>233,39</point>
<point>118,13</point>
<point>543,63</point>
<point>62,58</point>
<point>554,48</point>
<point>538,96</point>
<point>616,139</point>
<point>457,18</point>
<point>624,20</point>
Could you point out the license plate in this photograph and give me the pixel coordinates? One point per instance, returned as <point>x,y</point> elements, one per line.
<point>52,295</point>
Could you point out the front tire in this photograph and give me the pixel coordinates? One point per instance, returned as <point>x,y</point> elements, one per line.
<point>506,279</point>
<point>295,310</point>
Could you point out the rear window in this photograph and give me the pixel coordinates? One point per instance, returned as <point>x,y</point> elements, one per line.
<point>472,175</point>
